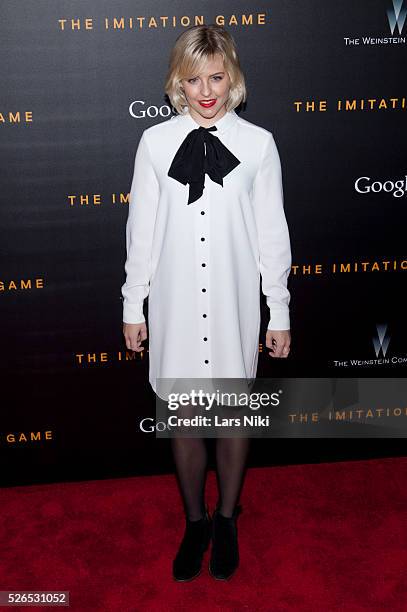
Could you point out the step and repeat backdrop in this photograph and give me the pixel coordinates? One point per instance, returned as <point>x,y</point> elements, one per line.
<point>80,81</point>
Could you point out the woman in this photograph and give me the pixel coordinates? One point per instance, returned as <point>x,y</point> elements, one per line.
<point>206,219</point>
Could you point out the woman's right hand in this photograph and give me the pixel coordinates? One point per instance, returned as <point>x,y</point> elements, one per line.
<point>135,334</point>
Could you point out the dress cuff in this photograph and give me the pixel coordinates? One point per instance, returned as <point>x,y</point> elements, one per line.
<point>133,313</point>
<point>279,320</point>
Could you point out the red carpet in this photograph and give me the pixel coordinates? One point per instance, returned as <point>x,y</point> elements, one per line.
<point>325,537</point>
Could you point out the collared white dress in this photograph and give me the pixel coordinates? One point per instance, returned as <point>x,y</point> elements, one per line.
<point>200,264</point>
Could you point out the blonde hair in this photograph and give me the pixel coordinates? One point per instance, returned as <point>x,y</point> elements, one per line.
<point>191,50</point>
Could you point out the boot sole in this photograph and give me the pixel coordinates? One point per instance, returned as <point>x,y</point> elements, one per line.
<point>188,579</point>
<point>219,578</point>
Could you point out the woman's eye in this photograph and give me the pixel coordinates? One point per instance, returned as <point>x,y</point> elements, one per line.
<point>216,78</point>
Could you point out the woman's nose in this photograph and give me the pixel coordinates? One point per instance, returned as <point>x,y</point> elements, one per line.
<point>205,89</point>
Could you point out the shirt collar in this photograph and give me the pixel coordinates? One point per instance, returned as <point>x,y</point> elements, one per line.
<point>222,125</point>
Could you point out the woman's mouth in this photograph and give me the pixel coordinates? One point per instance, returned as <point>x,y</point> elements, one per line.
<point>207,103</point>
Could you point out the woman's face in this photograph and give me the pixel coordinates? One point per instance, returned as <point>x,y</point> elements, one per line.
<point>212,84</point>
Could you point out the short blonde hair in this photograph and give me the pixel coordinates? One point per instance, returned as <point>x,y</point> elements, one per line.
<point>191,49</point>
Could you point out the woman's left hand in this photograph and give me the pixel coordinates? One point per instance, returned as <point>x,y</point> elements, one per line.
<point>279,342</point>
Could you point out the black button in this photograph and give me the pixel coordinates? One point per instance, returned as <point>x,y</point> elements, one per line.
<point>202,212</point>
<point>203,290</point>
<point>206,361</point>
<point>205,338</point>
<point>204,265</point>
<point>204,315</point>
<point>203,239</point>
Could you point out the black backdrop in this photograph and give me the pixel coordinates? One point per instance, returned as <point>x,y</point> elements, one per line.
<point>77,90</point>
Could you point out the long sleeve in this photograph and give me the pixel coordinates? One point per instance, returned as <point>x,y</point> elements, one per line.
<point>273,236</point>
<point>143,204</point>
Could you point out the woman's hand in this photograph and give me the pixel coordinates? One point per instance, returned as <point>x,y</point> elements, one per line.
<point>279,342</point>
<point>135,334</point>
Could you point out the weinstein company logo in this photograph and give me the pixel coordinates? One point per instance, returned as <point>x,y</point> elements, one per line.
<point>381,340</point>
<point>396,17</point>
<point>380,343</point>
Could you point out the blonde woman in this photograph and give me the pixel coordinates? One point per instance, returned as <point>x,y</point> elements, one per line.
<point>206,222</point>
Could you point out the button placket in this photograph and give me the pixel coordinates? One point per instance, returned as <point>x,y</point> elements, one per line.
<point>203,239</point>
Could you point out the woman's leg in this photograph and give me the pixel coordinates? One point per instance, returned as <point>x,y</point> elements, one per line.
<point>231,456</point>
<point>190,456</point>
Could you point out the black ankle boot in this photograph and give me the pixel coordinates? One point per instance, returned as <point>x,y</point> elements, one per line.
<point>225,551</point>
<point>188,561</point>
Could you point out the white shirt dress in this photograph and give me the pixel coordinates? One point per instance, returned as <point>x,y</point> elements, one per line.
<point>201,264</point>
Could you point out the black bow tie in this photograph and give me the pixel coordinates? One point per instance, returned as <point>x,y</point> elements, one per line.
<point>190,162</point>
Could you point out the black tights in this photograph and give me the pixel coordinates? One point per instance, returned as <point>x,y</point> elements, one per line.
<point>190,456</point>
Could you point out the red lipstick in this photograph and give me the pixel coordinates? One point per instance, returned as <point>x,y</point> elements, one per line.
<point>207,104</point>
